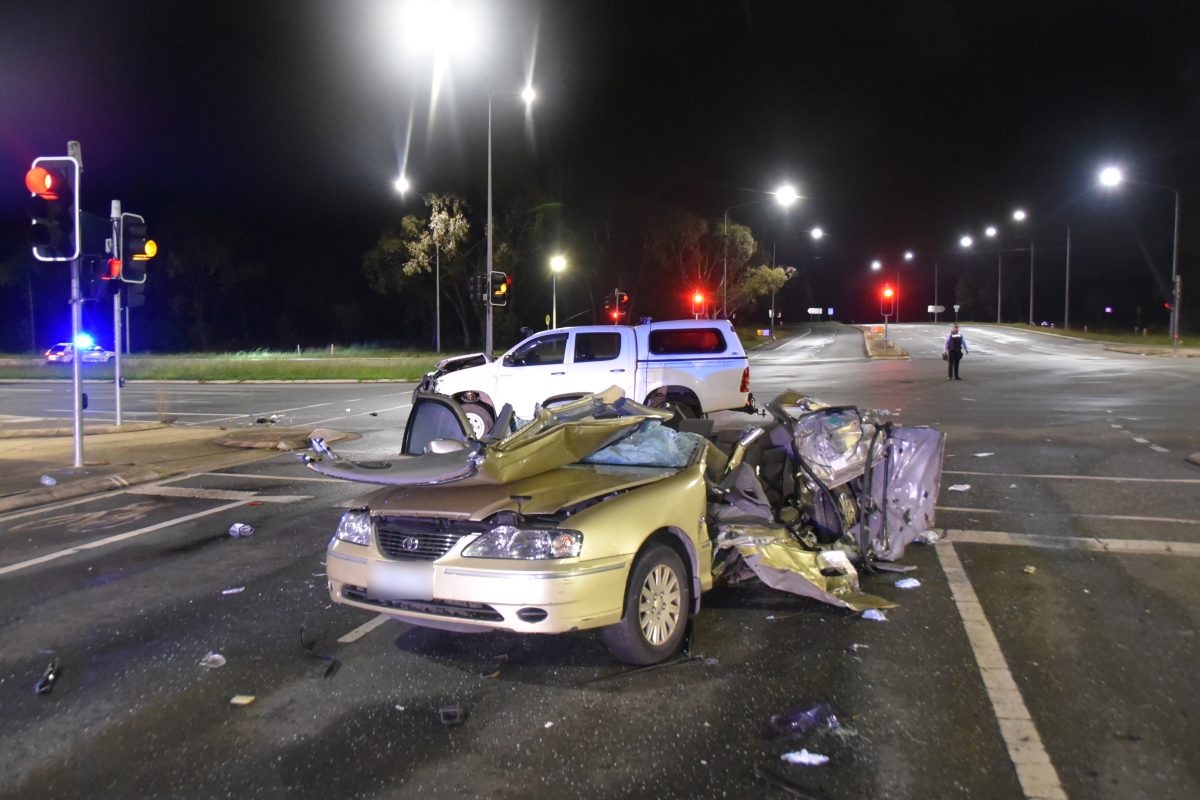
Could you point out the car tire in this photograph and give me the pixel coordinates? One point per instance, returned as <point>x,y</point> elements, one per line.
<point>677,407</point>
<point>657,603</point>
<point>480,417</point>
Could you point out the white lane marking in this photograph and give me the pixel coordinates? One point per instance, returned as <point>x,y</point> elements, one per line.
<point>217,494</point>
<point>1072,477</point>
<point>120,537</point>
<point>1098,544</point>
<point>1159,449</point>
<point>364,629</point>
<point>1140,440</point>
<point>1119,517</point>
<point>1035,771</point>
<point>360,414</point>
<point>289,478</point>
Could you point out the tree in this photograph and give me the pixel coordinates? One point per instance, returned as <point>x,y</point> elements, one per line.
<point>408,252</point>
<point>700,253</point>
<point>759,282</point>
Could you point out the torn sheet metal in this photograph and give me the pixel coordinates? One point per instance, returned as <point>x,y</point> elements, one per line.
<point>769,553</point>
<point>903,491</point>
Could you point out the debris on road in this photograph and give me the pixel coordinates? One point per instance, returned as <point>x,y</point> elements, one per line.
<point>984,455</point>
<point>805,758</point>
<point>310,649</point>
<point>548,725</point>
<point>213,661</point>
<point>801,719</point>
<point>452,715</point>
<point>240,530</point>
<point>1030,570</point>
<point>855,647</point>
<point>242,699</point>
<point>49,677</point>
<point>960,487</point>
<point>928,537</point>
<point>234,590</point>
<point>48,480</point>
<point>907,583</point>
<point>875,614</point>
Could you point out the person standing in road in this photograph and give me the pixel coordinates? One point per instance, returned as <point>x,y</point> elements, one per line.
<point>956,348</point>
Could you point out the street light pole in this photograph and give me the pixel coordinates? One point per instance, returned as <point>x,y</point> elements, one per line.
<point>1031,281</point>
<point>999,282</point>
<point>487,336</point>
<point>785,195</point>
<point>1067,290</point>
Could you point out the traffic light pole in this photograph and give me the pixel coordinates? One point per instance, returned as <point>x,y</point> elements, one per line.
<point>116,251</point>
<point>76,376</point>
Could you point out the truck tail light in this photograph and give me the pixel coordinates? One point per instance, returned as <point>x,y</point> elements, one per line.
<point>745,380</point>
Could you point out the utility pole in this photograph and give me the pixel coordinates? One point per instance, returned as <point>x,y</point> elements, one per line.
<point>1067,291</point>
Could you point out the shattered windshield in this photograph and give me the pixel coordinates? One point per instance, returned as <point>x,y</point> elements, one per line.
<point>651,444</point>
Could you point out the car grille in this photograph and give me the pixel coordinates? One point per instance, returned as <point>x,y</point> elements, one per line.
<point>440,608</point>
<point>411,539</point>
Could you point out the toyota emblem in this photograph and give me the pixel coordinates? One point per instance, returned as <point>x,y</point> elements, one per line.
<point>410,543</point>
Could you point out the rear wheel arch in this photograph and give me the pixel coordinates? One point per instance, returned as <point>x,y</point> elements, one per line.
<point>676,397</point>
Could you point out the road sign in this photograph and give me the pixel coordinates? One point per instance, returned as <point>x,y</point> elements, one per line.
<point>936,309</point>
<point>816,310</point>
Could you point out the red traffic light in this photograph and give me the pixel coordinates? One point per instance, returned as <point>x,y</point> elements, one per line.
<point>616,315</point>
<point>47,184</point>
<point>698,298</point>
<point>887,291</point>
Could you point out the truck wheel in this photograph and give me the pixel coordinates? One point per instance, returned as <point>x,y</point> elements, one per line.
<point>675,406</point>
<point>657,600</point>
<point>480,417</point>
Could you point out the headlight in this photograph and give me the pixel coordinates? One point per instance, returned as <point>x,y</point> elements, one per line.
<point>505,541</point>
<point>355,527</point>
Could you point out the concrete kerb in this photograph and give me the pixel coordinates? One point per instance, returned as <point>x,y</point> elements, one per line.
<point>876,347</point>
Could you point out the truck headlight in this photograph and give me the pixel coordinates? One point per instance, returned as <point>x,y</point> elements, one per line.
<point>506,541</point>
<point>355,527</point>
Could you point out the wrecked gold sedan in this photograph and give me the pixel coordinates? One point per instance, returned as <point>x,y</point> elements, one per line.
<point>604,513</point>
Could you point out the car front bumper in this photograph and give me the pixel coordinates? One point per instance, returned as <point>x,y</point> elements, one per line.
<point>465,594</point>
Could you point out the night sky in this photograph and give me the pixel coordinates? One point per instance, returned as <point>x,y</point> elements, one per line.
<point>903,124</point>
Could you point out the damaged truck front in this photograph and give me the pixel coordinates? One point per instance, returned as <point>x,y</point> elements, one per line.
<point>597,514</point>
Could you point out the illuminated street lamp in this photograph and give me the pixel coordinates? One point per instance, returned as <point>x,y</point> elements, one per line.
<point>528,95</point>
<point>402,184</point>
<point>557,264</point>
<point>966,242</point>
<point>785,195</point>
<point>1111,178</point>
<point>816,234</point>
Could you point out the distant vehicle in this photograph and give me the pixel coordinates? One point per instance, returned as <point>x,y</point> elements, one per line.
<point>64,353</point>
<point>690,367</point>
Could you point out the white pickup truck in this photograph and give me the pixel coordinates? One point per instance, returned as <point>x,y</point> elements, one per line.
<point>690,366</point>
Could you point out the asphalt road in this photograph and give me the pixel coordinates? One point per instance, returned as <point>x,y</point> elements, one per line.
<point>1051,648</point>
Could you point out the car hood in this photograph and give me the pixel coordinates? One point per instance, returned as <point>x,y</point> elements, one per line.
<point>543,493</point>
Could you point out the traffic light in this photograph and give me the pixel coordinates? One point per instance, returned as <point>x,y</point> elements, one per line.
<point>697,302</point>
<point>887,301</point>
<point>53,183</point>
<point>622,304</point>
<point>498,291</point>
<point>135,249</point>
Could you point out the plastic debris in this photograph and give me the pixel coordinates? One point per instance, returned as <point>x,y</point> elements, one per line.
<point>875,614</point>
<point>801,720</point>
<point>1030,570</point>
<point>927,537</point>
<point>374,413</point>
<point>856,646</point>
<point>242,699</point>
<point>805,758</point>
<point>234,590</point>
<point>213,661</point>
<point>984,455</point>
<point>49,677</point>
<point>47,480</point>
<point>452,715</point>
<point>240,530</point>
<point>548,725</point>
<point>960,487</point>
<point>907,583</point>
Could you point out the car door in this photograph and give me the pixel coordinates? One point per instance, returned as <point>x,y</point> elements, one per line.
<point>600,359</point>
<point>532,371</point>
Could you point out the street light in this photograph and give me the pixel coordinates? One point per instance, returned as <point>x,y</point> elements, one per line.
<point>816,234</point>
<point>402,184</point>
<point>1112,177</point>
<point>966,242</point>
<point>557,264</point>
<point>785,195</point>
<point>528,95</point>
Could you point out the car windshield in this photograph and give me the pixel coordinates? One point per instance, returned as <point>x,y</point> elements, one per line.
<point>651,444</point>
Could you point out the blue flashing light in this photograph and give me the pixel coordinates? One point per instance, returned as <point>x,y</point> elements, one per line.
<point>84,340</point>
